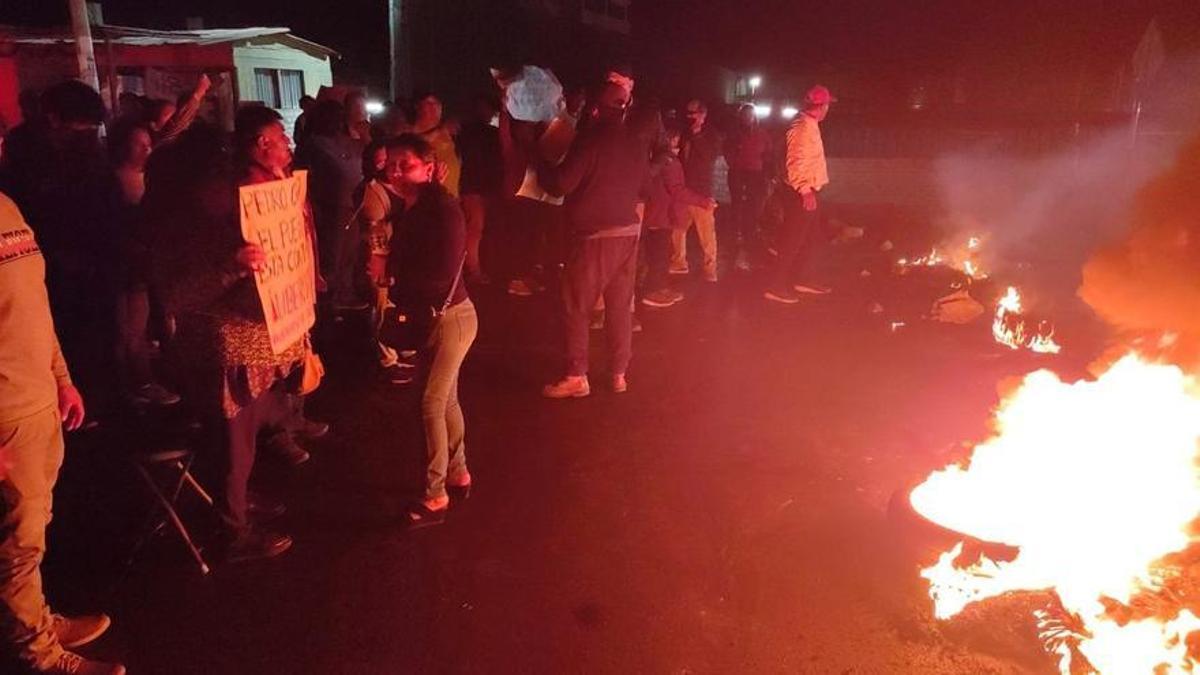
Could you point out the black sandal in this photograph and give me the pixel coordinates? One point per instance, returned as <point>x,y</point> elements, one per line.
<point>419,516</point>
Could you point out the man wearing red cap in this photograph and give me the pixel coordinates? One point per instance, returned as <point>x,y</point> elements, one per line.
<point>806,176</point>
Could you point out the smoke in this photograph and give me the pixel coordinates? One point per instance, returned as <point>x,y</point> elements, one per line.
<point>1046,215</point>
<point>1147,285</point>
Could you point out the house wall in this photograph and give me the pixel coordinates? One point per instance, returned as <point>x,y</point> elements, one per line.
<point>10,90</point>
<point>317,71</point>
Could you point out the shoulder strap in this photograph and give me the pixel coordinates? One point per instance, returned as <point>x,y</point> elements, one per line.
<point>454,285</point>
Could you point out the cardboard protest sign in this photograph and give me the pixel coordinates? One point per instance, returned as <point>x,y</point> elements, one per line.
<point>273,218</point>
<point>533,95</point>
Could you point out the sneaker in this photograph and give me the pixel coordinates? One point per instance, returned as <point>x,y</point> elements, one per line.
<point>257,545</point>
<point>155,394</point>
<point>77,631</point>
<point>661,298</point>
<point>520,288</point>
<point>285,447</point>
<point>784,297</point>
<point>398,375</point>
<point>568,387</point>
<point>676,296</point>
<point>70,663</point>
<point>710,276</point>
<point>813,289</point>
<point>311,429</point>
<point>619,384</point>
<point>678,270</point>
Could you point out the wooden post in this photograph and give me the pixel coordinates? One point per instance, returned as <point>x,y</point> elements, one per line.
<point>110,56</point>
<point>84,51</point>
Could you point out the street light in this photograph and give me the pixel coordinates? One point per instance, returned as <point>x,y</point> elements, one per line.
<point>755,83</point>
<point>762,110</point>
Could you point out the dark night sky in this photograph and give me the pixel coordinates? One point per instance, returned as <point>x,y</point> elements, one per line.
<point>1000,37</point>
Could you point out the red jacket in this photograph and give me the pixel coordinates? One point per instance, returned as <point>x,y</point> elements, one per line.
<point>747,148</point>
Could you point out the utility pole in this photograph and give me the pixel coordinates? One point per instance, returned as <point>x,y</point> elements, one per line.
<point>84,51</point>
<point>400,48</point>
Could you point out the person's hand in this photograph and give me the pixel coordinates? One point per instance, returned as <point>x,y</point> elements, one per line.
<point>70,406</point>
<point>250,258</point>
<point>712,204</point>
<point>810,201</point>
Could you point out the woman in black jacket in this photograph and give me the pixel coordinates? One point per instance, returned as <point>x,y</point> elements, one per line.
<point>429,290</point>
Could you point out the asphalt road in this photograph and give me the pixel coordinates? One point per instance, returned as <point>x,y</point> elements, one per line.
<point>729,514</point>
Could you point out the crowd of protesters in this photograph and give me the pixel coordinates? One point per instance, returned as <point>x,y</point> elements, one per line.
<point>149,284</point>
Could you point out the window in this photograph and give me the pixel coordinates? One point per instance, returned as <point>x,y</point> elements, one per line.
<point>266,86</point>
<point>291,88</point>
<point>279,89</point>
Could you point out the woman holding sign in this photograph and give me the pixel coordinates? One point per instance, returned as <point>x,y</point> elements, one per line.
<point>428,268</point>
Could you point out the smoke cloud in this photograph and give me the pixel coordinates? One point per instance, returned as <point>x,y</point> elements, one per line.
<point>1148,284</point>
<point>1047,215</point>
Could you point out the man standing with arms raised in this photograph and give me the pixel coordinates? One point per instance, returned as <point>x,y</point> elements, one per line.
<point>807,174</point>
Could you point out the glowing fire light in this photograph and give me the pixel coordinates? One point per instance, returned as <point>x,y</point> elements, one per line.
<point>1009,327</point>
<point>961,258</point>
<point>1095,483</point>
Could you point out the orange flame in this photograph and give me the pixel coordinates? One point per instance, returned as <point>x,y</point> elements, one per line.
<point>960,257</point>
<point>1094,483</point>
<point>1009,328</point>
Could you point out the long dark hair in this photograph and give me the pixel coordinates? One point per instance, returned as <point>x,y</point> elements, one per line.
<point>328,118</point>
<point>368,164</point>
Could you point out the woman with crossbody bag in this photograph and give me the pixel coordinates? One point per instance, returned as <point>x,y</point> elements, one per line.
<point>430,291</point>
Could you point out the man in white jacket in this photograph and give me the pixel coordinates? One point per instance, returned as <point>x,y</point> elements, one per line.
<point>807,174</point>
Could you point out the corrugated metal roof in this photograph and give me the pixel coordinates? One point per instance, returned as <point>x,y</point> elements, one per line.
<point>146,37</point>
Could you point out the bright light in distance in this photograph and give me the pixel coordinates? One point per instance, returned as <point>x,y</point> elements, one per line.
<point>762,110</point>
<point>374,107</point>
<point>789,112</point>
<point>755,81</point>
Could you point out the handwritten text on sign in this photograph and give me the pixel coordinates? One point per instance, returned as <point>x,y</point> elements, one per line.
<point>273,218</point>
